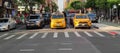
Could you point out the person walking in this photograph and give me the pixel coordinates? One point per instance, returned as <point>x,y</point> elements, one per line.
<point>22,18</point>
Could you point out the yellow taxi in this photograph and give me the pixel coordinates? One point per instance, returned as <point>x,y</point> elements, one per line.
<point>81,20</point>
<point>58,21</point>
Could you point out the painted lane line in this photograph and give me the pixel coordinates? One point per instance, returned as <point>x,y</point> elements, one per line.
<point>22,36</point>
<point>90,35</point>
<point>65,49</point>
<point>33,35</point>
<point>55,35</point>
<point>27,50</point>
<point>66,43</point>
<point>66,34</point>
<point>3,35</point>
<point>77,34</point>
<point>9,37</point>
<point>44,35</point>
<point>99,34</point>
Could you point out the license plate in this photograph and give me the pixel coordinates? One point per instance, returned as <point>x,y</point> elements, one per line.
<point>58,25</point>
<point>83,24</point>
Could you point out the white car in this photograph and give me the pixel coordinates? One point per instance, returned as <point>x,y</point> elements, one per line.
<point>7,24</point>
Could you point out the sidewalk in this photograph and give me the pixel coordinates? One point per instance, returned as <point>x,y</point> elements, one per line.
<point>110,25</point>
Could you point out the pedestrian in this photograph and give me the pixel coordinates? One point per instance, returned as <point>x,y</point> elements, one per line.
<point>22,18</point>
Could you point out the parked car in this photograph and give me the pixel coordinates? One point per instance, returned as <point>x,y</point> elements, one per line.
<point>81,20</point>
<point>34,20</point>
<point>58,21</point>
<point>46,17</point>
<point>93,17</point>
<point>7,24</point>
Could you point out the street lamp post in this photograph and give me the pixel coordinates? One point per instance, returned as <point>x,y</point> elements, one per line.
<point>119,9</point>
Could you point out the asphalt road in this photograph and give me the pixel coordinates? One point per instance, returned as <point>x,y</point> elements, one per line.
<point>63,41</point>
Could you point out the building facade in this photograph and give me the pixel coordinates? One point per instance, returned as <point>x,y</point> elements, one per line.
<point>7,8</point>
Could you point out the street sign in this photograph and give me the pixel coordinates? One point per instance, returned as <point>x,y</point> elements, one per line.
<point>0,2</point>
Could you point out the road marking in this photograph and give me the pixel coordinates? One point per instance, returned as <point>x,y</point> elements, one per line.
<point>44,35</point>
<point>66,34</point>
<point>66,43</point>
<point>77,34</point>
<point>90,35</point>
<point>99,34</point>
<point>33,35</point>
<point>22,36</point>
<point>27,50</point>
<point>65,49</point>
<point>3,35</point>
<point>55,35</point>
<point>9,37</point>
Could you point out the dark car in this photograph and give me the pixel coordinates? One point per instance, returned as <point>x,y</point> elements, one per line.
<point>46,17</point>
<point>93,18</point>
<point>34,20</point>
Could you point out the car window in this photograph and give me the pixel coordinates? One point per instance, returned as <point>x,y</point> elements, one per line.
<point>3,20</point>
<point>57,16</point>
<point>91,15</point>
<point>46,15</point>
<point>81,16</point>
<point>34,17</point>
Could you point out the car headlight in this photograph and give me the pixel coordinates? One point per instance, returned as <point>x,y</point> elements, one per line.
<point>4,26</point>
<point>37,21</point>
<point>63,21</point>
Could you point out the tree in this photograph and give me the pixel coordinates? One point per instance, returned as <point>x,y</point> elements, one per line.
<point>47,9</point>
<point>54,6</point>
<point>76,5</point>
<point>90,4</point>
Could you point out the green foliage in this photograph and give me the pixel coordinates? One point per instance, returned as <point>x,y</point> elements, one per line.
<point>54,6</point>
<point>102,4</point>
<point>47,9</point>
<point>90,3</point>
<point>76,5</point>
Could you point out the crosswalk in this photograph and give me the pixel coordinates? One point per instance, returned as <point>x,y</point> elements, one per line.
<point>8,36</point>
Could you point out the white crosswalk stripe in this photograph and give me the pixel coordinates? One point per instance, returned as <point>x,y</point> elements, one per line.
<point>22,36</point>
<point>44,35</point>
<point>66,34</point>
<point>4,35</point>
<point>9,37</point>
<point>33,35</point>
<point>77,34</point>
<point>55,35</point>
<point>90,35</point>
<point>101,35</point>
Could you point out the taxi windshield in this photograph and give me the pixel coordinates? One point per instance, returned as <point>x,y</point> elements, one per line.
<point>57,16</point>
<point>81,16</point>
